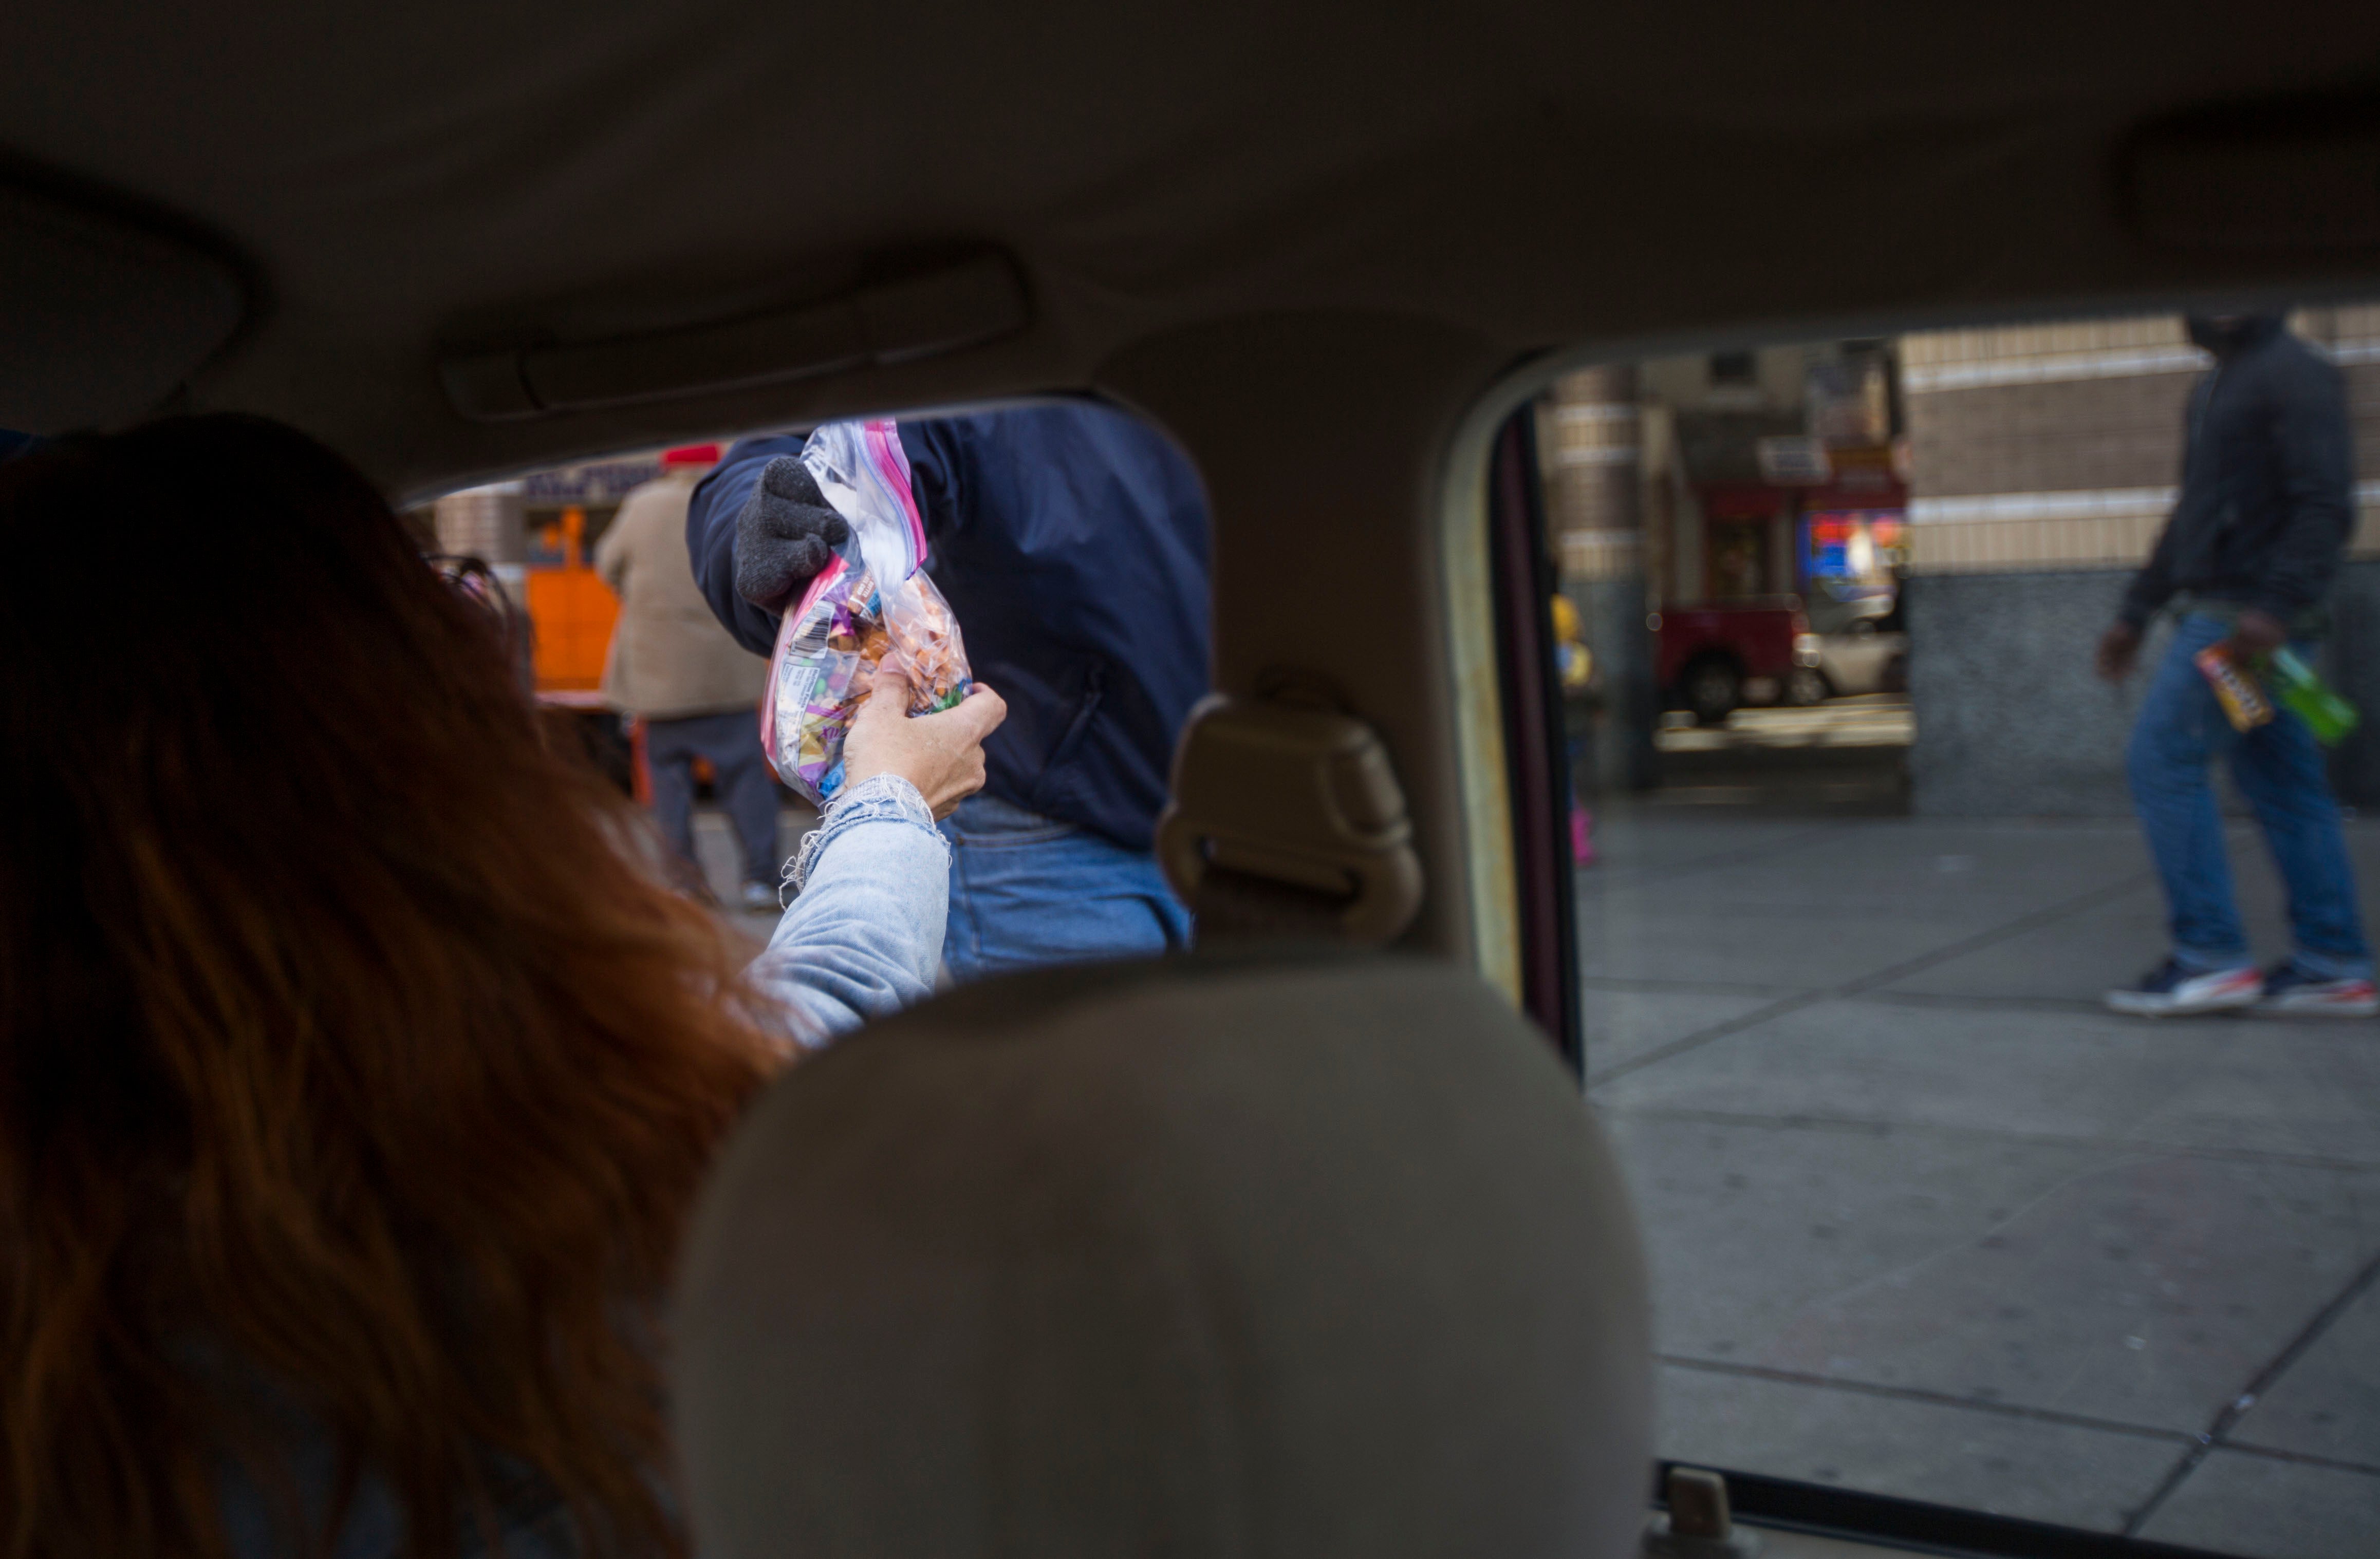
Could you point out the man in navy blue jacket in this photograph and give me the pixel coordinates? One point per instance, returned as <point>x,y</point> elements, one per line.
<point>1071,542</point>
<point>2249,555</point>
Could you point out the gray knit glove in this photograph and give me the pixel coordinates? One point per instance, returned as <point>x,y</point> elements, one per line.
<point>784,536</point>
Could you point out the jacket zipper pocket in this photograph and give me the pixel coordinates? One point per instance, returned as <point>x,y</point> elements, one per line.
<point>1094,688</point>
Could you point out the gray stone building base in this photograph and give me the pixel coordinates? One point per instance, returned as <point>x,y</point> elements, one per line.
<point>2351,662</point>
<point>2011,721</point>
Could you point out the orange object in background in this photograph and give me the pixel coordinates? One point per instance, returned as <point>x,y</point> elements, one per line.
<point>572,613</point>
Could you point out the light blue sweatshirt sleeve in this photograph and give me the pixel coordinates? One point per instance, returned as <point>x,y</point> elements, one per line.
<point>864,936</point>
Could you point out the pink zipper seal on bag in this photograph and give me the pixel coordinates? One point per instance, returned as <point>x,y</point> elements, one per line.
<point>891,461</point>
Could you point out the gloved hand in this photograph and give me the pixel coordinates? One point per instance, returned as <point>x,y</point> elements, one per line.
<point>784,536</point>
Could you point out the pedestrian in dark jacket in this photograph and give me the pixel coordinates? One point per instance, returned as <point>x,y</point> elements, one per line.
<point>693,688</point>
<point>1071,542</point>
<point>2247,558</point>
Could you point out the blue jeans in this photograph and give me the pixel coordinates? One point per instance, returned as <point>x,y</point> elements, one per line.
<point>1028,890</point>
<point>731,742</point>
<point>2279,769</point>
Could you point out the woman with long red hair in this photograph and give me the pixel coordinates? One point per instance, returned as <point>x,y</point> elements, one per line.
<point>355,1073</point>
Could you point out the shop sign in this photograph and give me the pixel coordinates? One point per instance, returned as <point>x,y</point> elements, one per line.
<point>1858,545</point>
<point>1794,460</point>
<point>602,481</point>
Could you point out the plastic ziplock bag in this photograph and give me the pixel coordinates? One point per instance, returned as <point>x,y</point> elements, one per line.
<point>872,604</point>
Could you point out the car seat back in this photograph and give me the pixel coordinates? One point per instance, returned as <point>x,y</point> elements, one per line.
<point>1303,1255</point>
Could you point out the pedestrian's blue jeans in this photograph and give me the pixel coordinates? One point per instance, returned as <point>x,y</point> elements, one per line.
<point>731,740</point>
<point>1028,890</point>
<point>2278,766</point>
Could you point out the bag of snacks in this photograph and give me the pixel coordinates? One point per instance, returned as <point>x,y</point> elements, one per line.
<point>873,604</point>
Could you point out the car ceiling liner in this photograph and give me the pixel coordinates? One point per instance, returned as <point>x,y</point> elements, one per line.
<point>917,316</point>
<point>105,314</point>
<point>2293,175</point>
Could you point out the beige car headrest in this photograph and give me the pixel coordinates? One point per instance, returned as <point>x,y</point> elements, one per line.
<point>1204,1258</point>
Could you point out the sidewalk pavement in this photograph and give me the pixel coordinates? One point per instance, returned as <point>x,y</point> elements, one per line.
<point>1927,1221</point>
<point>714,843</point>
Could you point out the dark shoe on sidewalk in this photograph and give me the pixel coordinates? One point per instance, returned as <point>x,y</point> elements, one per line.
<point>2171,991</point>
<point>761,898</point>
<point>2291,992</point>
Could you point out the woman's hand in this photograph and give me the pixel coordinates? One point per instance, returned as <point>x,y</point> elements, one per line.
<point>942,755</point>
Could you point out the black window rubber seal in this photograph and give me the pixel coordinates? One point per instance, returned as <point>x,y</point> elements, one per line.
<point>1788,1504</point>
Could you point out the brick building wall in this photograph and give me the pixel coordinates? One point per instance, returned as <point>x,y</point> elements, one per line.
<point>486,523</point>
<point>1589,451</point>
<point>2060,446</point>
<point>2043,461</point>
<point>1588,443</point>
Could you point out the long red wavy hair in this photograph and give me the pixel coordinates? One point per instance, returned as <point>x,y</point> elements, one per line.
<point>354,1074</point>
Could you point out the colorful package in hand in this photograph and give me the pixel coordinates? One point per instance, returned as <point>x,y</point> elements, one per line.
<point>2243,698</point>
<point>872,605</point>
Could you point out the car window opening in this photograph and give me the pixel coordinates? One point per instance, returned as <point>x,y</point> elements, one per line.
<point>662,677</point>
<point>1873,844</point>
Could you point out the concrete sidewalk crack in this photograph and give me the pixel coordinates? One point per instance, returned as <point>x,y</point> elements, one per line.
<point>1932,1399</point>
<point>1693,863</point>
<point>1985,1003</point>
<point>2218,1432</point>
<point>2017,928</point>
<point>2300,1458</point>
<point>1689,987</point>
<point>1854,1125</point>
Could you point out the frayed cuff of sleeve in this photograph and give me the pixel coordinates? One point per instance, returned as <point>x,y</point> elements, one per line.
<point>881,798</point>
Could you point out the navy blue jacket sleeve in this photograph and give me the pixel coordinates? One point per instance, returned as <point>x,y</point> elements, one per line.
<point>938,474</point>
<point>710,536</point>
<point>1071,543</point>
<point>2316,472</point>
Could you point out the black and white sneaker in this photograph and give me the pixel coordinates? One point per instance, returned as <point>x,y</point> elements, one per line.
<point>2292,991</point>
<point>2171,991</point>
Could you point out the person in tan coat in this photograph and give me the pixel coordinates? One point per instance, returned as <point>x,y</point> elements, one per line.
<point>673,667</point>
